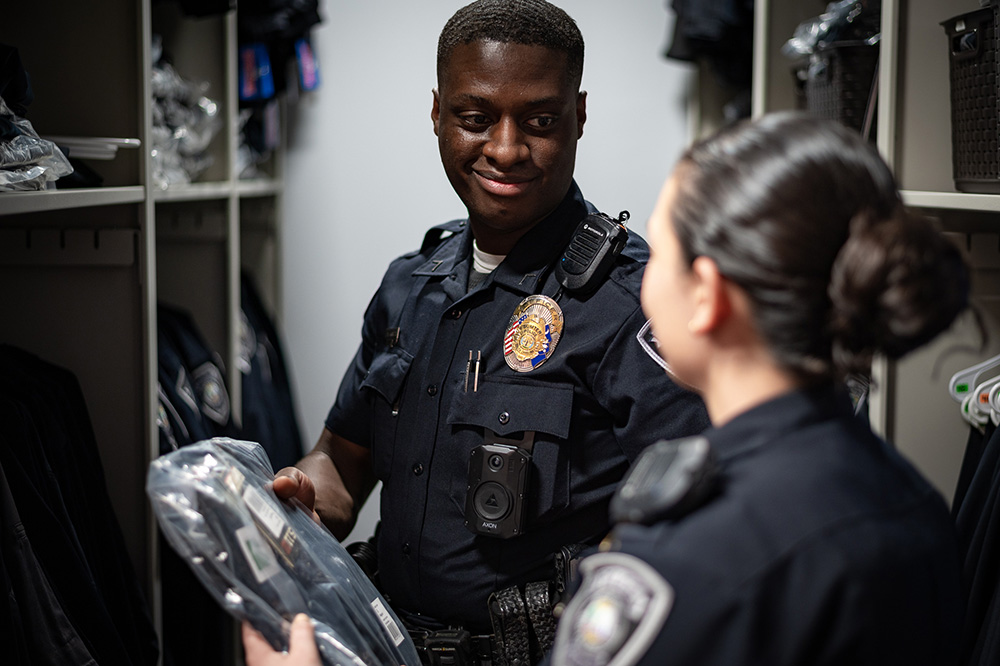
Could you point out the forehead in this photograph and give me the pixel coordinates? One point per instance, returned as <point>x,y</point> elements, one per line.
<point>489,65</point>
<point>660,226</point>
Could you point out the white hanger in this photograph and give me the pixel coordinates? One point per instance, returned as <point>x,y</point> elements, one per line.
<point>979,399</point>
<point>963,381</point>
<point>972,415</point>
<point>995,398</point>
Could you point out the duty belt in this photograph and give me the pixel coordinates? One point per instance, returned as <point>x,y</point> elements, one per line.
<point>523,632</point>
<point>453,647</point>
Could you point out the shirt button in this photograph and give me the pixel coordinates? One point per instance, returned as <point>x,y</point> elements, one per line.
<point>418,469</point>
<point>455,314</point>
<point>406,549</point>
<point>503,418</point>
<point>432,390</point>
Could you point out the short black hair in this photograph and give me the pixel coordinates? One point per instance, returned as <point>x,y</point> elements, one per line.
<point>531,22</point>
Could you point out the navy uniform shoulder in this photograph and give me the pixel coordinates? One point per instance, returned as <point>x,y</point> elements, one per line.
<point>628,267</point>
<point>435,235</point>
<point>432,240</point>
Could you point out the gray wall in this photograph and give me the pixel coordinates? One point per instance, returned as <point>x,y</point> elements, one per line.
<point>364,180</point>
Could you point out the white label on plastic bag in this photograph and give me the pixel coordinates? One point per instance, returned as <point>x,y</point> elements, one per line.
<point>390,625</point>
<point>234,480</point>
<point>270,518</point>
<point>257,552</point>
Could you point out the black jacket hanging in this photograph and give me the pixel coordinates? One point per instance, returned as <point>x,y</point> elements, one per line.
<point>977,519</point>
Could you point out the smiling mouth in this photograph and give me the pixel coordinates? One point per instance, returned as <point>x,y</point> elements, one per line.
<point>504,187</point>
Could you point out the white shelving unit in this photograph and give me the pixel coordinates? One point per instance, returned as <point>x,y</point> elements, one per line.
<point>910,402</point>
<point>82,270</point>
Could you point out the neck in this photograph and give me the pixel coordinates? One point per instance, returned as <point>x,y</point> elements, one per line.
<point>495,241</point>
<point>739,382</point>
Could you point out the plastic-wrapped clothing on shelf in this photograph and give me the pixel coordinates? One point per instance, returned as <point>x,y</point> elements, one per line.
<point>185,121</point>
<point>27,162</point>
<point>265,560</point>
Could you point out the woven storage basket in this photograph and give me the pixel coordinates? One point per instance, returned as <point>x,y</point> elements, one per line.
<point>972,42</point>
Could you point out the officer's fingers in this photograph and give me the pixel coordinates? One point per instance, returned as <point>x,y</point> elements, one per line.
<point>286,482</point>
<point>302,649</point>
<point>256,650</point>
<point>292,482</point>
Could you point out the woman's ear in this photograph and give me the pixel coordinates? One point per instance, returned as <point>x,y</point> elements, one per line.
<point>712,303</point>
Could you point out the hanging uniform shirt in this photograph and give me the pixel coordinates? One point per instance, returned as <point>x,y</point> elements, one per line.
<point>63,531</point>
<point>268,408</point>
<point>977,521</point>
<point>822,546</point>
<point>412,396</point>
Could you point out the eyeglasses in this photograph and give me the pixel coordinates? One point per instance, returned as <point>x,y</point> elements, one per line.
<point>650,345</point>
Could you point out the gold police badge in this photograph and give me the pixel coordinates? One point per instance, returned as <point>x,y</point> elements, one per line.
<point>533,333</point>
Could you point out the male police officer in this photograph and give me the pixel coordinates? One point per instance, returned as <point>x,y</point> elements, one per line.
<point>498,405</point>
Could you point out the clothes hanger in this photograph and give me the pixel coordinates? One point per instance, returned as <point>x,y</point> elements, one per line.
<point>979,399</point>
<point>972,415</point>
<point>963,381</point>
<point>995,399</point>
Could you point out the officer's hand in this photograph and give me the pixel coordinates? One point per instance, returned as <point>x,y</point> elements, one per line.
<point>292,482</point>
<point>302,649</point>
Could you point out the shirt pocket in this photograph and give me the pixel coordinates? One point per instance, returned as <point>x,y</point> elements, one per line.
<point>509,407</point>
<point>384,386</point>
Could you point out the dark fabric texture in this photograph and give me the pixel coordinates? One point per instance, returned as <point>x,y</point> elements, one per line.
<point>268,407</point>
<point>192,622</point>
<point>824,546</point>
<point>977,519</point>
<point>62,518</point>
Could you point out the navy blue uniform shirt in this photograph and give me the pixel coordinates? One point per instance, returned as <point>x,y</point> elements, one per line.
<point>823,547</point>
<point>594,405</point>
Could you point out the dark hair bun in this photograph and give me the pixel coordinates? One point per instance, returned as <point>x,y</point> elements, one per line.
<point>896,284</point>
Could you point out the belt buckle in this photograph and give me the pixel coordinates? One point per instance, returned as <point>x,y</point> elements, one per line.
<point>449,647</point>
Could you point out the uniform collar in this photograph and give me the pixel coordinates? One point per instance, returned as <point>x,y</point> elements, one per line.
<point>527,264</point>
<point>771,420</point>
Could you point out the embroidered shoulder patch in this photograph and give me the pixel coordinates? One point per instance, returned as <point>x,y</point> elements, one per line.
<point>617,613</point>
<point>209,385</point>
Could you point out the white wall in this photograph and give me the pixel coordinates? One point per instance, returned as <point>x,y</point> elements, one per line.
<point>364,180</point>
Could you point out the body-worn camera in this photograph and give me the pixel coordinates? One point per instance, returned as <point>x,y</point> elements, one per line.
<point>498,483</point>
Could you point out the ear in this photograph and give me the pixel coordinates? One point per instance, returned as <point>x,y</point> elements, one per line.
<point>435,110</point>
<point>581,112</point>
<point>712,304</point>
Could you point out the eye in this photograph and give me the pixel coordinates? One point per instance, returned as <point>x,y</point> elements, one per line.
<point>542,122</point>
<point>475,120</point>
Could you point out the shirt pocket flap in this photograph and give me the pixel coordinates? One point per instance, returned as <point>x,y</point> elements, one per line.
<point>387,373</point>
<point>507,407</point>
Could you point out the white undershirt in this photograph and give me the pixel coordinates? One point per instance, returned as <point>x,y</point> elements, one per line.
<point>483,262</point>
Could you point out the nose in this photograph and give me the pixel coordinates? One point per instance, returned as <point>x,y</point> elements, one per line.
<point>506,145</point>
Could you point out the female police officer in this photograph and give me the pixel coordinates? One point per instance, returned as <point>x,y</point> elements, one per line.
<point>782,259</point>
